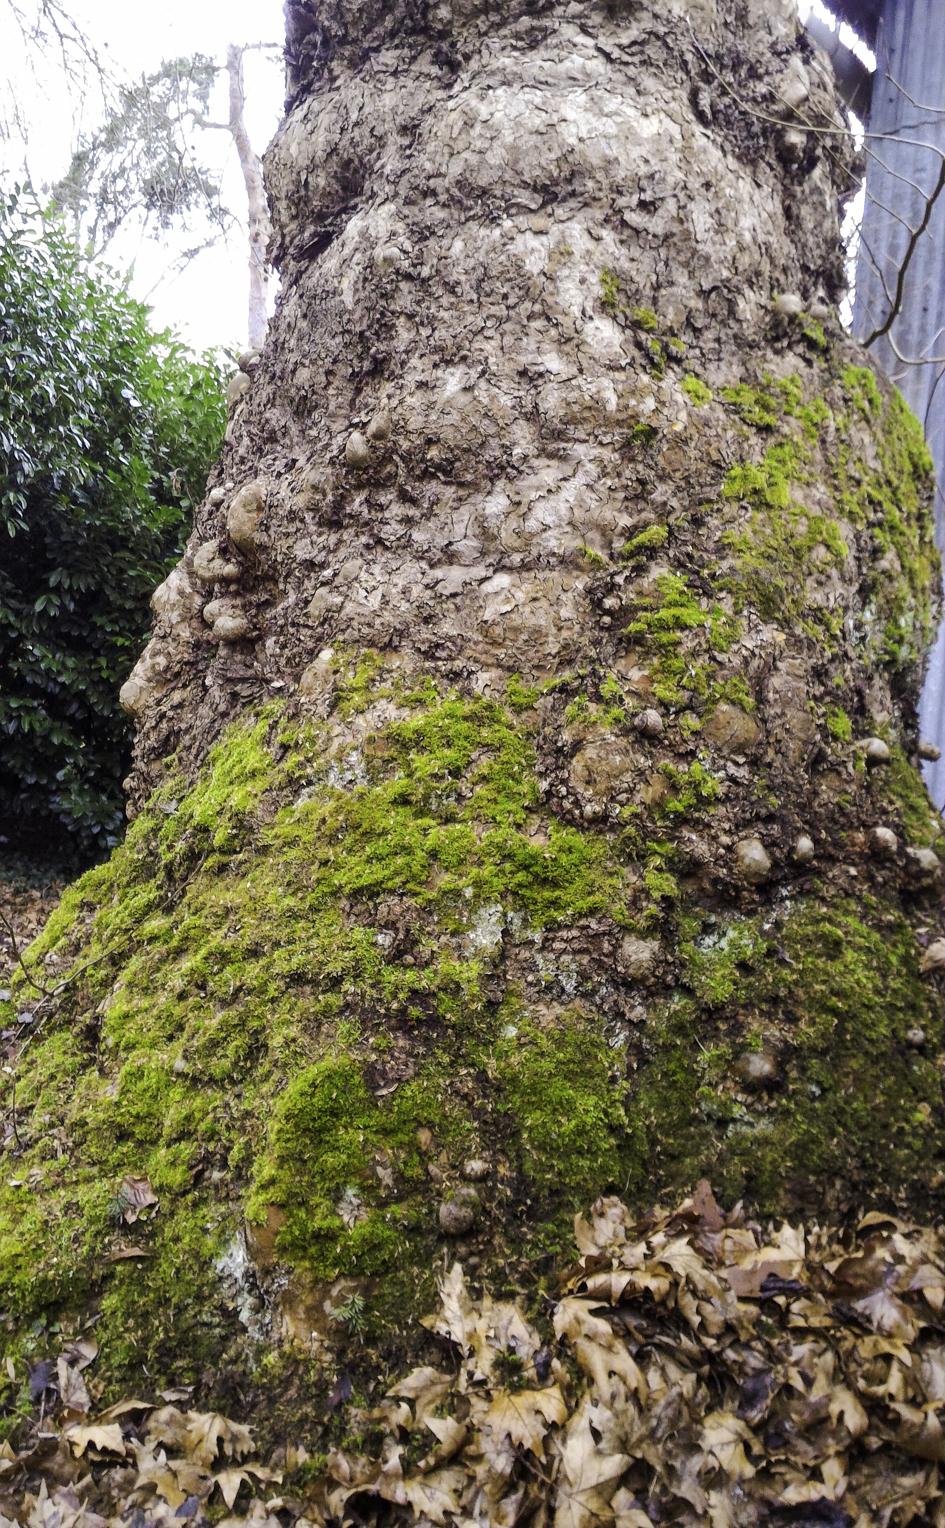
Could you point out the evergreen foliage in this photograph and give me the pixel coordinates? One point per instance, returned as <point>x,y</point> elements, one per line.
<point>107,431</point>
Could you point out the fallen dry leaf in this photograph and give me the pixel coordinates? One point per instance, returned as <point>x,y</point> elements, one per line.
<point>725,1373</point>
<point>351,1209</point>
<point>122,1408</point>
<point>154,1470</point>
<point>72,1390</point>
<point>169,1426</point>
<point>108,1438</point>
<point>524,1416</point>
<point>135,1195</point>
<point>206,1431</point>
<point>589,1477</point>
<point>435,1496</point>
<point>230,1480</point>
<point>80,1352</point>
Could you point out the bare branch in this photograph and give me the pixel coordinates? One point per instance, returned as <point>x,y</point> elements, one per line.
<point>934,111</point>
<point>904,264</point>
<point>932,360</point>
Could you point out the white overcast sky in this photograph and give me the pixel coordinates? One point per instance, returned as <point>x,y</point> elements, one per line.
<point>207,303</point>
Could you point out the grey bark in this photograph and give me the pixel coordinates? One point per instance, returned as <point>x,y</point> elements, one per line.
<point>442,235</point>
<point>484,219</point>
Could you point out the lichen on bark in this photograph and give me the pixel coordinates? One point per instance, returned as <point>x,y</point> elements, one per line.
<point>567,576</point>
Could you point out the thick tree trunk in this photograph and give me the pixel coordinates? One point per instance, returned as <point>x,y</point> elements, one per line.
<point>527,783</point>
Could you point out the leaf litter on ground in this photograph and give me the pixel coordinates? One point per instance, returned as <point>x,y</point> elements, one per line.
<point>705,1371</point>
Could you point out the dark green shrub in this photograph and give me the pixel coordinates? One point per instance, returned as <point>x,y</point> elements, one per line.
<point>107,431</point>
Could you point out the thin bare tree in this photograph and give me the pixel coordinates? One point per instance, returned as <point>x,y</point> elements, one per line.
<point>259,223</point>
<point>141,166</point>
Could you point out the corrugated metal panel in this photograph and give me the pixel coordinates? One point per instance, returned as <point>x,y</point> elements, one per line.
<point>908,109</point>
<point>862,15</point>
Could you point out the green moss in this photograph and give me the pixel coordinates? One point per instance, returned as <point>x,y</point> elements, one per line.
<point>609,288</point>
<point>521,697</point>
<point>594,559</point>
<point>657,358</point>
<point>839,724</point>
<point>862,388</point>
<point>238,995</point>
<point>896,501</point>
<point>213,819</point>
<point>835,998</point>
<point>724,629</point>
<point>774,553</point>
<point>790,393</point>
<point>661,621</point>
<point>735,690</point>
<point>326,1132</point>
<point>756,407</point>
<point>645,319</point>
<point>561,1088</point>
<point>693,789</point>
<point>358,683</point>
<point>784,541</point>
<point>659,861</point>
<point>646,541</point>
<point>696,391</point>
<point>906,793</point>
<point>242,1009</point>
<point>676,628</point>
<point>813,333</point>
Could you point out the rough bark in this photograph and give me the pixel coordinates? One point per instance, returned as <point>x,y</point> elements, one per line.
<point>516,731</point>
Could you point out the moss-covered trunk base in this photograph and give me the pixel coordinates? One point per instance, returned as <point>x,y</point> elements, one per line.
<point>357,999</point>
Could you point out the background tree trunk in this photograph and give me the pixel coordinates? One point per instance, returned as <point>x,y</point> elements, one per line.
<point>527,786</point>
<point>257,207</point>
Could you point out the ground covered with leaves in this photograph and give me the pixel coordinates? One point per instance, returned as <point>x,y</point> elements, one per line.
<point>31,886</point>
<point>696,1368</point>
<point>23,913</point>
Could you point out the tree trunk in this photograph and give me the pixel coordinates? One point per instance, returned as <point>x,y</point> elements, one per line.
<point>260,226</point>
<point>526,801</point>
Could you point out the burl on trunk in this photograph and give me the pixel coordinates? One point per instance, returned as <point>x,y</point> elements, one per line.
<point>526,801</point>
